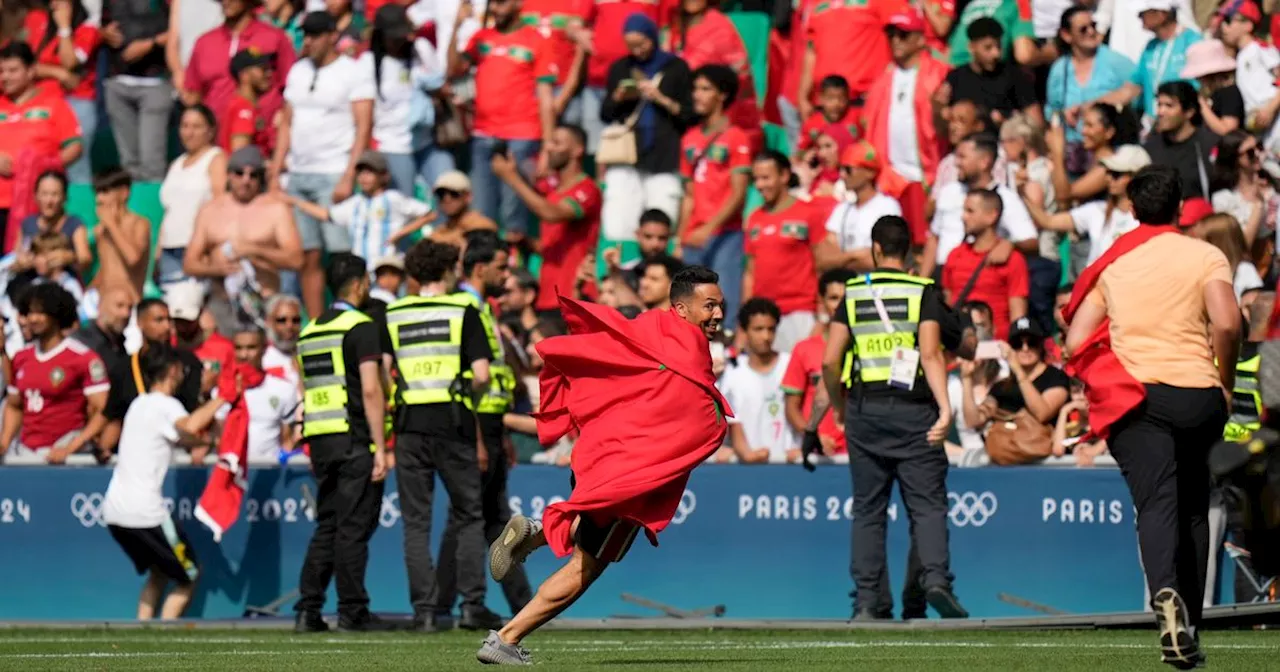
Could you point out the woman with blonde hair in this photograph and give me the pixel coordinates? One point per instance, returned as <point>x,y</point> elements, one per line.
<point>1223,232</point>
<point>1031,172</point>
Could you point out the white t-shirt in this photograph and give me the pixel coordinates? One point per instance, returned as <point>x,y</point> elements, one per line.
<point>392,99</point>
<point>1246,279</point>
<point>1118,19</point>
<point>1091,220</point>
<point>135,497</point>
<point>276,363</point>
<point>372,220</point>
<point>948,223</point>
<point>852,223</point>
<point>1046,16</point>
<point>324,129</point>
<point>271,404</point>
<point>759,405</point>
<point>904,143</point>
<point>970,439</point>
<point>1254,65</point>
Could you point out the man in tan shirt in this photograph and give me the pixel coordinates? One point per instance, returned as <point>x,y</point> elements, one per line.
<point>1172,309</point>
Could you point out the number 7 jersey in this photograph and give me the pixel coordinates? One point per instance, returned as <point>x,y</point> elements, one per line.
<point>53,388</point>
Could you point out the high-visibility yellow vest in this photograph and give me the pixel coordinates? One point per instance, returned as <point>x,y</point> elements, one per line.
<point>426,334</point>
<point>500,395</point>
<point>324,374</point>
<point>874,341</point>
<point>1246,402</point>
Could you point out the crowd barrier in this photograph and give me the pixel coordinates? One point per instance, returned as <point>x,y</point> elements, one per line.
<point>763,541</point>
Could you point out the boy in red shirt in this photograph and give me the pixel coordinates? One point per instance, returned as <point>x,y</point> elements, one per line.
<point>1003,287</point>
<point>846,39</point>
<point>834,108</point>
<point>715,161</point>
<point>803,378</point>
<point>783,238</point>
<point>243,123</point>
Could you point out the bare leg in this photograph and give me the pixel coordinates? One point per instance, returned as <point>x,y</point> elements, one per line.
<point>311,278</point>
<point>556,594</point>
<point>176,604</point>
<point>149,600</point>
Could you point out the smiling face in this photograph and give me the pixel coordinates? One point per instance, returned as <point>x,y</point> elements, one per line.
<point>703,309</point>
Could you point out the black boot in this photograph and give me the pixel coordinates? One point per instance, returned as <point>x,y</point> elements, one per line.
<point>309,621</point>
<point>480,618</point>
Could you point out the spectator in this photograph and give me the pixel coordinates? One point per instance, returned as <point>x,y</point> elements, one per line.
<point>138,91</point>
<point>377,218</point>
<point>513,105</point>
<point>820,174</point>
<point>287,16</point>
<point>1033,385</point>
<point>453,198</point>
<point>1239,188</point>
<point>655,274</point>
<point>802,382</point>
<point>326,126</point>
<point>1072,428</point>
<point>66,44</point>
<point>1162,59</point>
<point>1102,222</point>
<point>59,386</point>
<point>209,78</point>
<point>1222,107</point>
<point>273,405</point>
<point>702,35</point>
<point>845,39</point>
<point>518,315</point>
<point>122,240</point>
<point>1024,148</point>
<point>564,26</point>
<point>388,279</point>
<point>715,160</point>
<point>1104,71</point>
<point>1018,37</point>
<point>52,254</point>
<point>243,122</point>
<point>607,29</point>
<point>186,301</point>
<point>246,241</point>
<point>570,214</point>
<point>1004,287</point>
<point>195,178</point>
<point>759,431</point>
<point>996,85</point>
<point>189,20</point>
<point>849,226</point>
<point>1125,29</point>
<point>1223,232</point>
<point>795,30</point>
<point>1104,127</point>
<point>834,107</point>
<point>284,324</point>
<point>665,108</point>
<point>105,335</point>
<point>351,27</point>
<point>785,244</point>
<point>1059,304</point>
<point>653,238</point>
<point>965,118</point>
<point>52,216</point>
<point>1257,64</point>
<point>976,158</point>
<point>900,116</point>
<point>1179,142</point>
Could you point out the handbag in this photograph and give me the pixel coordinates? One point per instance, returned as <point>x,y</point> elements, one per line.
<point>1018,438</point>
<point>618,142</point>
<point>450,127</point>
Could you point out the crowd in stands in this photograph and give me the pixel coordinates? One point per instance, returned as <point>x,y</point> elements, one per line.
<point>179,171</point>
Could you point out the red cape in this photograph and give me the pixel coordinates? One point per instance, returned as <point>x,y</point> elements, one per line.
<point>642,395</point>
<point>219,506</point>
<point>1111,391</point>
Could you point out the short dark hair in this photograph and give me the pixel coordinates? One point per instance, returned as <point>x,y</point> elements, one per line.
<point>344,269</point>
<point>1183,92</point>
<point>893,235</point>
<point>983,28</point>
<point>1156,194</point>
<point>775,157</point>
<point>834,276</point>
<point>18,50</point>
<point>110,179</point>
<point>53,174</point>
<point>149,303</point>
<point>689,277</point>
<point>834,82</point>
<point>429,261</point>
<point>666,261</point>
<point>156,361</point>
<point>205,113</point>
<point>758,306</point>
<point>655,216</point>
<point>990,200</point>
<point>577,132</point>
<point>984,142</point>
<point>524,279</point>
<point>52,300</point>
<point>551,325</point>
<point>482,248</point>
<point>723,78</point>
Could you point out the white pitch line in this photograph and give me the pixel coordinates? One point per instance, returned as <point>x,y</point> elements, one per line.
<point>618,645</point>
<point>153,654</point>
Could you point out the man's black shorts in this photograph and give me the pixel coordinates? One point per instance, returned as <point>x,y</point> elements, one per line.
<point>164,547</point>
<point>605,540</point>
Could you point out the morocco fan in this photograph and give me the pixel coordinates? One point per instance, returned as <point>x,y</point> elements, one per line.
<point>59,385</point>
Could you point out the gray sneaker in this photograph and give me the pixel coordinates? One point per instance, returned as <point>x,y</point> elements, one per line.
<point>1178,646</point>
<point>494,651</point>
<point>519,538</point>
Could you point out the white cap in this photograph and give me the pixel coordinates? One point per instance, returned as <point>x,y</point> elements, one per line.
<point>1162,5</point>
<point>185,300</point>
<point>1127,159</point>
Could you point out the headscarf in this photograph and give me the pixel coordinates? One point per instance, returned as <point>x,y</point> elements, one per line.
<point>844,139</point>
<point>648,121</point>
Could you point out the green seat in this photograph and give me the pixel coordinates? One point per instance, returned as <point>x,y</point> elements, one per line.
<point>144,200</point>
<point>753,27</point>
<point>775,138</point>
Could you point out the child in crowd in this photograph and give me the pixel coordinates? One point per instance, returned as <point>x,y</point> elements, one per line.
<point>388,279</point>
<point>1072,426</point>
<point>834,107</point>
<point>52,253</point>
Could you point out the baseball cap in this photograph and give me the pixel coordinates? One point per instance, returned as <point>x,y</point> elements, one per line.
<point>395,261</point>
<point>249,157</point>
<point>1025,329</point>
<point>1194,210</point>
<point>185,300</point>
<point>1161,5</point>
<point>861,155</point>
<point>454,180</point>
<point>911,21</point>
<point>319,23</point>
<point>248,58</point>
<point>373,160</point>
<point>1127,159</point>
<point>1246,8</point>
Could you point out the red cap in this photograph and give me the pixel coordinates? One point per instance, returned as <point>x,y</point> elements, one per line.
<point>911,21</point>
<point>1194,210</point>
<point>861,155</point>
<point>1246,8</point>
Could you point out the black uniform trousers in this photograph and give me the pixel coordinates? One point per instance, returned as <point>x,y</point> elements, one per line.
<point>887,444</point>
<point>347,506</point>
<point>497,511</point>
<point>1162,448</point>
<point>419,458</point>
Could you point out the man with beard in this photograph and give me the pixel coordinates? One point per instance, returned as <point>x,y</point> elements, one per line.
<point>453,200</point>
<point>243,239</point>
<point>569,214</point>
<point>1179,142</point>
<point>655,281</point>
<point>284,323</point>
<point>484,269</point>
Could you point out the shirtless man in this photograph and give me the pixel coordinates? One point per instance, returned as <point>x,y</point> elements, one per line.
<point>453,201</point>
<point>244,225</point>
<point>123,239</point>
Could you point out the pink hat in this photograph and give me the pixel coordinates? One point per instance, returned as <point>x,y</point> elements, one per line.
<point>1207,57</point>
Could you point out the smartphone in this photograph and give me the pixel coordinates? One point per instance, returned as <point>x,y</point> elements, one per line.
<point>500,148</point>
<point>627,84</point>
<point>988,350</point>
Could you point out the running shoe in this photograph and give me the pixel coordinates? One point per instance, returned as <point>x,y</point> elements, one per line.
<point>519,538</point>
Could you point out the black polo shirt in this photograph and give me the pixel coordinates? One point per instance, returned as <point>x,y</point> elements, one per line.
<point>127,385</point>
<point>437,420</point>
<point>1007,89</point>
<point>109,347</point>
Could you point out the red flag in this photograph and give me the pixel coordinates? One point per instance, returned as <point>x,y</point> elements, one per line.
<point>219,506</point>
<point>1111,391</point>
<point>642,394</point>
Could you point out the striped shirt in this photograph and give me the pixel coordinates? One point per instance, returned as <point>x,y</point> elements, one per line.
<point>372,220</point>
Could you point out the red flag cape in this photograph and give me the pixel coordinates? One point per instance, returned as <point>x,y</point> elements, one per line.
<point>219,506</point>
<point>642,395</point>
<point>1111,391</point>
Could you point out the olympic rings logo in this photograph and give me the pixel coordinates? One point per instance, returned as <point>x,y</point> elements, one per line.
<point>970,509</point>
<point>390,510</point>
<point>688,502</point>
<point>87,508</point>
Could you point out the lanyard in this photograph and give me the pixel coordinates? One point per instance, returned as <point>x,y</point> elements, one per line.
<point>880,309</point>
<point>1164,59</point>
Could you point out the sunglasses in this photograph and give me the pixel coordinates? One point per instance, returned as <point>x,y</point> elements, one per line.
<point>447,193</point>
<point>896,33</point>
<point>289,319</point>
<point>1087,28</point>
<point>1255,152</point>
<point>1115,174</point>
<point>248,172</point>
<point>1026,343</point>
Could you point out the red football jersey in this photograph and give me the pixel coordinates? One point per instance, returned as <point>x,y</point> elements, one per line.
<point>53,386</point>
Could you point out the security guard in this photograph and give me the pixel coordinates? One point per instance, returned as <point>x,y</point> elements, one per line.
<point>484,268</point>
<point>442,363</point>
<point>1246,396</point>
<point>898,414</point>
<point>341,360</point>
